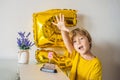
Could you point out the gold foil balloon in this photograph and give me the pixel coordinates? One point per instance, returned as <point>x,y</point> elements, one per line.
<point>63,61</point>
<point>45,33</point>
<point>42,56</point>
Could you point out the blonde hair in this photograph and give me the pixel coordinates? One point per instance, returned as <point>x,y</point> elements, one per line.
<point>83,32</point>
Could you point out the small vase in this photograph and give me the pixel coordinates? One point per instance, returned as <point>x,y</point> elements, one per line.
<point>23,56</point>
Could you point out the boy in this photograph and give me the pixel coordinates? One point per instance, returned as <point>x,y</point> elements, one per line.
<point>85,66</point>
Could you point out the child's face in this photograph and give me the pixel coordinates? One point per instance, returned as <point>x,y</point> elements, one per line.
<point>81,44</point>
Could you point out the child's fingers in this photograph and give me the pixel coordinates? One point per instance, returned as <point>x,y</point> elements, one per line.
<point>54,23</point>
<point>62,18</point>
<point>57,18</point>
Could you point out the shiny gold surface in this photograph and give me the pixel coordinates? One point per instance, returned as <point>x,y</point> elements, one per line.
<point>63,61</point>
<point>45,33</point>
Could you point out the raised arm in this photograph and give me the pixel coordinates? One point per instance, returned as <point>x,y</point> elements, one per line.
<point>64,32</point>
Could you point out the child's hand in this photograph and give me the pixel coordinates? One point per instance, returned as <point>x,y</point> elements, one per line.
<point>61,23</point>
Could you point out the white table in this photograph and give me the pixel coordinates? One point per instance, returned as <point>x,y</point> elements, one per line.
<point>8,69</point>
<point>32,72</point>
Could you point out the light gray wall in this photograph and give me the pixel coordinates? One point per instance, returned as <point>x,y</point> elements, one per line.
<point>100,17</point>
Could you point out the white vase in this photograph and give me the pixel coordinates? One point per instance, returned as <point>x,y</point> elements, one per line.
<point>23,56</point>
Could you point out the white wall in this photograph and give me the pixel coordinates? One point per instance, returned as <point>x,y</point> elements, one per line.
<point>100,17</point>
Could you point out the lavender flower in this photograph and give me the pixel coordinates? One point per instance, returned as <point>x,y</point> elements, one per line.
<point>23,41</point>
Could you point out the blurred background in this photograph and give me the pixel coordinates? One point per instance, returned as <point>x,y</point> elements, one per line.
<point>100,17</point>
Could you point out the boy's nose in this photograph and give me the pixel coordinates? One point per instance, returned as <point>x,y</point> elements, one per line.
<point>78,42</point>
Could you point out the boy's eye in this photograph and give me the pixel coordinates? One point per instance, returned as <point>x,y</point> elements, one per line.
<point>81,38</point>
<point>74,41</point>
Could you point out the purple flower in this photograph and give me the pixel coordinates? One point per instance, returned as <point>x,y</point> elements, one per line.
<point>23,41</point>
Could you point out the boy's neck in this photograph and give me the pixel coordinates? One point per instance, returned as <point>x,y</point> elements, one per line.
<point>88,56</point>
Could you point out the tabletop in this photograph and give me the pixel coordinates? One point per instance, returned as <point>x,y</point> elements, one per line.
<point>32,72</point>
<point>8,69</point>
